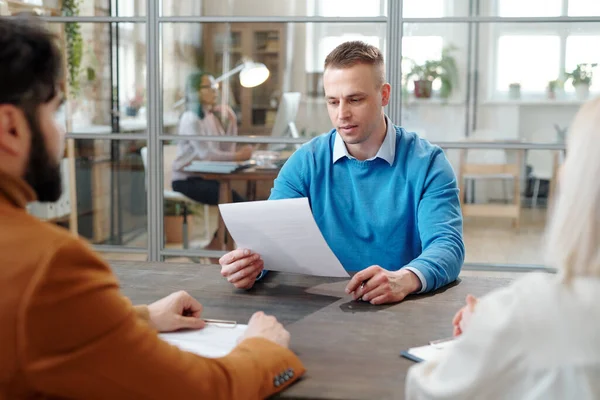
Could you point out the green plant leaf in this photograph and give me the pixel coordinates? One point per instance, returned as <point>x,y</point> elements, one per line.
<point>444,69</point>
<point>74,45</point>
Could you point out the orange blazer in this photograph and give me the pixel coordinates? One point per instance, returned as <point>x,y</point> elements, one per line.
<point>66,331</point>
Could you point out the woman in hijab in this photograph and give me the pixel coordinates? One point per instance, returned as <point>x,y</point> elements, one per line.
<point>205,117</point>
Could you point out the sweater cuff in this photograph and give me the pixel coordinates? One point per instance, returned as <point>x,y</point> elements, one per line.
<point>421,277</point>
<point>261,275</point>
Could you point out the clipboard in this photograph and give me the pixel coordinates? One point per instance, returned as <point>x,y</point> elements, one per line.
<point>406,354</point>
<point>427,352</point>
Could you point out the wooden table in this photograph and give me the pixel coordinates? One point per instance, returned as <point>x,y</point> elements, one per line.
<point>251,176</point>
<point>350,349</point>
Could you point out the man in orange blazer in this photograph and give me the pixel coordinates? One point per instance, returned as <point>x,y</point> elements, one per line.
<point>65,329</point>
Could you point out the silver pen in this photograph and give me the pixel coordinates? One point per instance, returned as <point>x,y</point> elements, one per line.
<point>232,324</point>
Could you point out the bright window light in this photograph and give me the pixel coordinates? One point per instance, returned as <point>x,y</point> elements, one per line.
<point>517,63</point>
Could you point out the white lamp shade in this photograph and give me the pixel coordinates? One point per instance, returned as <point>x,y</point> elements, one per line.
<point>253,74</point>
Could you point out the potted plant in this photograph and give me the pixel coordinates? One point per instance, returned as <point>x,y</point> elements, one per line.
<point>444,69</point>
<point>135,103</point>
<point>551,89</point>
<point>173,217</point>
<point>581,78</point>
<point>514,91</point>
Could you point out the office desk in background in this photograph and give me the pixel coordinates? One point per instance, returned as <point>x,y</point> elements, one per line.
<point>351,350</point>
<point>251,176</point>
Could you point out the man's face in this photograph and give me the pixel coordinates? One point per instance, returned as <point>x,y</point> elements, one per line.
<point>42,172</point>
<point>355,98</point>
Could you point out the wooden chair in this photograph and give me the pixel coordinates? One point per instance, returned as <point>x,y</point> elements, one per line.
<point>486,164</point>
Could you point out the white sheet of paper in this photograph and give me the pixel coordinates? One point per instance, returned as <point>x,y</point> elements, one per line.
<point>285,234</point>
<point>430,351</point>
<point>213,341</point>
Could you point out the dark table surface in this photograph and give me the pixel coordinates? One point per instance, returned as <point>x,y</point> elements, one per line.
<point>350,349</point>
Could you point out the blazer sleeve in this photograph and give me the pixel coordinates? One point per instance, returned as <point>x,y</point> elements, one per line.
<point>142,313</point>
<point>80,338</point>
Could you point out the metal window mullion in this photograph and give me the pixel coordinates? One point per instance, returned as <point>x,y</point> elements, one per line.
<point>494,19</point>
<point>352,20</point>
<point>394,29</point>
<point>107,136</point>
<point>119,249</point>
<point>469,75</point>
<point>474,67</point>
<point>447,145</point>
<point>235,139</point>
<point>563,42</point>
<point>500,145</point>
<point>154,169</point>
<point>93,19</point>
<point>267,19</point>
<point>562,59</point>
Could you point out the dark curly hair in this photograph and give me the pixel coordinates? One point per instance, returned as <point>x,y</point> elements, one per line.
<point>30,63</point>
<point>30,76</point>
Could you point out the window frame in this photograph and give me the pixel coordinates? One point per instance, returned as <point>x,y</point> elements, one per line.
<point>323,31</point>
<point>562,30</point>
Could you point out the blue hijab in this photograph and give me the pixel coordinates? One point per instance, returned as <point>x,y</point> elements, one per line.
<point>192,95</point>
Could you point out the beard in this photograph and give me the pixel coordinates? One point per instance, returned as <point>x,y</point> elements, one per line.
<point>43,173</point>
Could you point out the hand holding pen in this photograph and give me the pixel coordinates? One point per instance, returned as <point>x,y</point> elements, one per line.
<point>177,311</point>
<point>380,286</point>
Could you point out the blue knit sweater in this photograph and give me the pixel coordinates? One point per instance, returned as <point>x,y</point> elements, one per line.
<point>372,213</point>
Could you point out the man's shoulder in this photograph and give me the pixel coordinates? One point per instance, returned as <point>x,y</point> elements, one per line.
<point>34,250</point>
<point>33,238</point>
<point>413,151</point>
<point>63,256</point>
<point>418,145</point>
<point>320,143</point>
<point>317,147</point>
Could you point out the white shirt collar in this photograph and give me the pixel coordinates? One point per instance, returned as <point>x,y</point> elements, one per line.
<point>387,151</point>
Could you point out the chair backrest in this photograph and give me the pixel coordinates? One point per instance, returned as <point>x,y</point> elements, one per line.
<point>144,154</point>
<point>169,155</point>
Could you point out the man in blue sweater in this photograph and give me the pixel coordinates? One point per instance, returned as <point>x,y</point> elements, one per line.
<point>385,200</point>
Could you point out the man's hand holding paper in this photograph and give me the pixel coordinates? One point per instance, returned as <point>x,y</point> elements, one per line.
<point>241,267</point>
<point>283,236</point>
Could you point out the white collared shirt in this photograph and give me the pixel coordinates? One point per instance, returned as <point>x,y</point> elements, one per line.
<point>387,151</point>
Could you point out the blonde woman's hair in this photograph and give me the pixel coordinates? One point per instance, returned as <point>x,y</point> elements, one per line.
<point>573,235</point>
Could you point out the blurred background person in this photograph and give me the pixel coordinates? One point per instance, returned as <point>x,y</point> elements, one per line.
<point>205,117</point>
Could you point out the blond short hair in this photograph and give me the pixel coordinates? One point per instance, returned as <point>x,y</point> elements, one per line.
<point>349,54</point>
<point>573,235</point>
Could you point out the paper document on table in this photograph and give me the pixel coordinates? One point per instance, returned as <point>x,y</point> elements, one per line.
<point>425,353</point>
<point>213,341</point>
<point>285,234</point>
